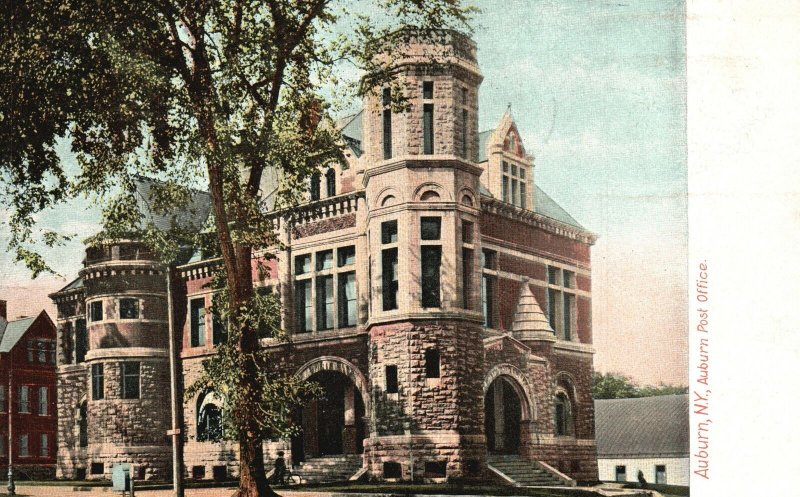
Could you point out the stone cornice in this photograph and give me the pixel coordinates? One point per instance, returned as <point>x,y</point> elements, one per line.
<point>145,353</point>
<point>422,162</point>
<point>583,348</point>
<point>531,218</point>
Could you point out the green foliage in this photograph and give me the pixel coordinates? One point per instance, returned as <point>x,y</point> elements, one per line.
<point>619,386</point>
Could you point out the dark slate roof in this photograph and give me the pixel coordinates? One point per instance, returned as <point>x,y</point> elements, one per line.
<point>648,426</point>
<point>73,285</point>
<point>546,206</point>
<point>191,216</point>
<point>12,331</point>
<point>352,128</point>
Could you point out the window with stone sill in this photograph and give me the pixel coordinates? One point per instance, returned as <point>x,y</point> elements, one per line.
<point>390,278</point>
<point>129,380</point>
<point>432,364</point>
<point>2,398</point>
<point>430,260</point>
<point>23,445</point>
<point>98,381</point>
<point>44,445</point>
<point>564,421</point>
<point>467,263</point>
<point>488,287</point>
<point>81,341</point>
<point>561,307</point>
<point>23,403</point>
<point>128,308</point>
<point>391,379</point>
<point>43,402</point>
<point>514,184</point>
<point>197,322</point>
<point>96,310</point>
<point>325,297</point>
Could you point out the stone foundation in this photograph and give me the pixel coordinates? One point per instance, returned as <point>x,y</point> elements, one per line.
<point>461,456</point>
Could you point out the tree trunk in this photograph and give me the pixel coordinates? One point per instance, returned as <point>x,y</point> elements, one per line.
<point>252,477</point>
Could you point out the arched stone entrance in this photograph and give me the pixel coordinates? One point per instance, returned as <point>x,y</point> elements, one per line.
<point>507,410</point>
<point>333,424</point>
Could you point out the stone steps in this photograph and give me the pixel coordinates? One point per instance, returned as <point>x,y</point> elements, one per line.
<point>328,468</point>
<point>524,473</point>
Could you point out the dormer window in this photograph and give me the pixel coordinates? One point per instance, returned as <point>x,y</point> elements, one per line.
<point>514,186</point>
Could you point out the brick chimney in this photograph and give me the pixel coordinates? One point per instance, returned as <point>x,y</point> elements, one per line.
<point>3,309</point>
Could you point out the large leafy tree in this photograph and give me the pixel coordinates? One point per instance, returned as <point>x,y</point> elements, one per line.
<point>222,90</point>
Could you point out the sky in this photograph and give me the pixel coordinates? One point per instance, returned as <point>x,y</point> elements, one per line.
<point>597,90</point>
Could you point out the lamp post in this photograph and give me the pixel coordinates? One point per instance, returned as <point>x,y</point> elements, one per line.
<point>11,487</point>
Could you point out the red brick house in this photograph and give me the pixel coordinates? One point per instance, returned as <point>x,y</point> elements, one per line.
<point>28,394</point>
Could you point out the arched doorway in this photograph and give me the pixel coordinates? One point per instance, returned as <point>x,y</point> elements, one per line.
<point>503,416</point>
<point>333,424</point>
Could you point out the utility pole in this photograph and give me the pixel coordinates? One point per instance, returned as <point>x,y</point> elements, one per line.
<point>175,432</point>
<point>11,487</point>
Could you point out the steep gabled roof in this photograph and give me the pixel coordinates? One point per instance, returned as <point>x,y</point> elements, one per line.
<point>12,331</point>
<point>648,426</point>
<point>352,129</point>
<point>192,216</point>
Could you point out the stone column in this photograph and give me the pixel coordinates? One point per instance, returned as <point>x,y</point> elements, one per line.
<point>499,417</point>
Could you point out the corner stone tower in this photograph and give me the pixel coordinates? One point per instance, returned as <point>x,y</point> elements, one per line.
<point>424,325</point>
<point>127,362</point>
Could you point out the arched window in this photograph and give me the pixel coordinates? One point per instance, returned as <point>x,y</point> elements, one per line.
<point>209,419</point>
<point>565,425</point>
<point>330,183</point>
<point>314,186</point>
<point>83,426</point>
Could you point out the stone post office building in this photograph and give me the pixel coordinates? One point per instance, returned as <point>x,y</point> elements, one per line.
<point>439,296</point>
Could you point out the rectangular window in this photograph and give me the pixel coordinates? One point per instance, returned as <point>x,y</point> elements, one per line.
<point>42,355</point>
<point>98,382</point>
<point>389,232</point>
<point>24,399</point>
<point>432,363</point>
<point>505,189</point>
<point>23,446</point>
<point>431,256</point>
<point>81,341</point>
<point>31,349</point>
<point>619,474</point>
<point>464,133</point>
<point>44,445</point>
<point>2,398</point>
<point>130,380</point>
<point>514,191</point>
<point>96,310</point>
<point>197,309</point>
<point>129,308</point>
<point>466,277</point>
<point>389,278</point>
<point>346,256</point>
<point>431,228</point>
<point>347,299</point>
<point>569,279</point>
<point>488,259</point>
<point>552,303</point>
<point>324,260</point>
<point>467,230</point>
<point>569,304</point>
<point>387,123</point>
<point>661,474</point>
<point>523,195</point>
<point>303,305</point>
<point>302,264</point>
<point>43,401</point>
<point>97,468</point>
<point>325,302</point>
<point>552,275</point>
<point>487,301</point>
<point>391,379</point>
<point>427,129</point>
<point>427,90</point>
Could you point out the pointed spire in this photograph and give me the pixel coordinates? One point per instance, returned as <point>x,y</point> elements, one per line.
<point>530,322</point>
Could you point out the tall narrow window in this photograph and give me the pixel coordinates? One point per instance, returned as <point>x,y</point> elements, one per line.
<point>42,348</point>
<point>464,133</point>
<point>431,256</point>
<point>129,376</point>
<point>347,299</point>
<point>314,185</point>
<point>330,183</point>
<point>44,445</point>
<point>31,350</point>
<point>569,304</point>
<point>81,341</point>
<point>427,129</point>
<point>96,310</point>
<point>83,426</point>
<point>325,302</point>
<point>43,401</point>
<point>24,399</point>
<point>128,308</point>
<point>303,305</point>
<point>197,309</point>
<point>389,232</point>
<point>487,301</point>
<point>466,276</point>
<point>563,415</point>
<point>661,474</point>
<point>2,399</point>
<point>432,363</point>
<point>561,302</point>
<point>98,382</point>
<point>387,123</point>
<point>505,189</point>
<point>23,445</point>
<point>619,474</point>
<point>391,379</point>
<point>390,281</point>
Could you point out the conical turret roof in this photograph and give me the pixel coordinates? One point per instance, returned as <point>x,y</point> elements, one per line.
<point>530,322</point>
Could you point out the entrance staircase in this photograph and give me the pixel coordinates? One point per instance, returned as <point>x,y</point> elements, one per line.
<point>523,473</point>
<point>328,468</point>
